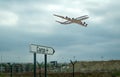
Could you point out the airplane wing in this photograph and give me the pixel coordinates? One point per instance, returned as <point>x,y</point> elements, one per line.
<point>58,16</point>
<point>66,22</point>
<point>82,17</point>
<point>67,18</point>
<point>69,22</point>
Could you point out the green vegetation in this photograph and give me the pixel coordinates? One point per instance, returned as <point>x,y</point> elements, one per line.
<point>2,75</point>
<point>116,74</point>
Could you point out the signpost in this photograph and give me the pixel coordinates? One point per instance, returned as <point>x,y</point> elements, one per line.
<point>34,54</point>
<point>41,50</point>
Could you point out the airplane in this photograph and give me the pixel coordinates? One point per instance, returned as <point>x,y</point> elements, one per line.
<point>77,20</point>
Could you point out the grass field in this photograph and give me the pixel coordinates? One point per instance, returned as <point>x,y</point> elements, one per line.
<point>93,74</point>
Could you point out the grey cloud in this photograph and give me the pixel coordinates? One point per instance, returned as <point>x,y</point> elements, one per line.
<point>98,39</point>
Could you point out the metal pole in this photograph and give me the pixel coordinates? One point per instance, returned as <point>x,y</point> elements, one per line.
<point>73,70</point>
<point>45,65</point>
<point>34,64</point>
<point>11,70</point>
<point>73,64</point>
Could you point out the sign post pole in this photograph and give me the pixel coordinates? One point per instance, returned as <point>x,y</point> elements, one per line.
<point>34,64</point>
<point>41,50</point>
<point>45,65</point>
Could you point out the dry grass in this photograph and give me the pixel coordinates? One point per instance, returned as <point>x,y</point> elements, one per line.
<point>93,74</point>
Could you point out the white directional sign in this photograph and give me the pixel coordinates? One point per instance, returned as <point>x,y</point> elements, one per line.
<point>41,49</point>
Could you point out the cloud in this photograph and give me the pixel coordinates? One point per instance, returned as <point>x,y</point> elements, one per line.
<point>8,18</point>
<point>28,21</point>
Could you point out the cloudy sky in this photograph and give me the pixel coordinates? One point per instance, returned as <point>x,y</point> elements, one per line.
<point>25,22</point>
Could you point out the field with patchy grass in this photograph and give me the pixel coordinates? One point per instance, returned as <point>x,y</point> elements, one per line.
<point>77,74</point>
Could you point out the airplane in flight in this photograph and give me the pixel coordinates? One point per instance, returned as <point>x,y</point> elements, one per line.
<point>77,20</point>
